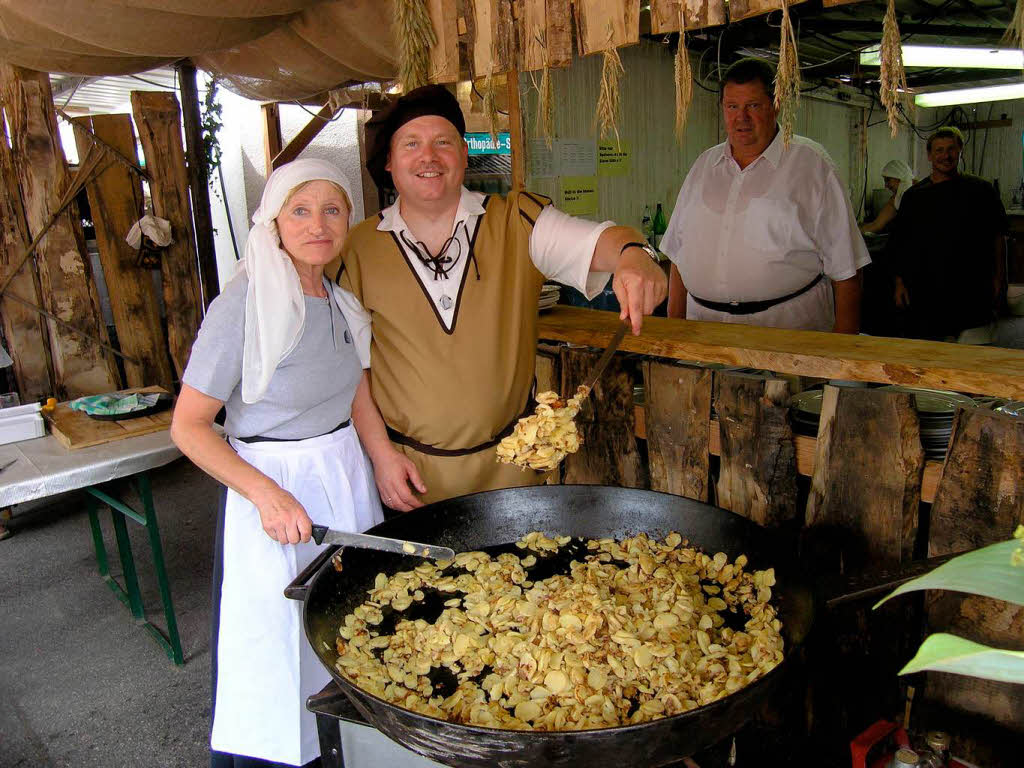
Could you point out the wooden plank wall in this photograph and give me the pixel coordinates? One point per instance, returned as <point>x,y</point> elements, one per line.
<point>116,202</point>
<point>25,330</point>
<point>158,116</point>
<point>863,510</point>
<point>80,366</point>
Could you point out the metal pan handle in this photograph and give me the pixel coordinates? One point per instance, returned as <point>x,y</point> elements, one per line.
<point>298,589</point>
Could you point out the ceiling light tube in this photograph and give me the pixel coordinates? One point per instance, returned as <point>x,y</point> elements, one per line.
<point>954,56</point>
<point>970,95</point>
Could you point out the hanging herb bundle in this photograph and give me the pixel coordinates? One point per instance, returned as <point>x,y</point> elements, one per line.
<point>545,107</point>
<point>683,77</point>
<point>491,106</point>
<point>1015,32</point>
<point>609,100</point>
<point>892,76</point>
<point>415,36</point>
<point>787,76</point>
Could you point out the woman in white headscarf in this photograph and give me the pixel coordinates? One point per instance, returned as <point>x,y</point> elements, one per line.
<point>898,179</point>
<point>275,351</point>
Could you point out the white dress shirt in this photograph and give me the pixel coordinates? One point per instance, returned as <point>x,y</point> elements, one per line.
<point>561,247</point>
<point>763,232</point>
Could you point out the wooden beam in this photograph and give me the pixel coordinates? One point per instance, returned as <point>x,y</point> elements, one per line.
<point>867,474</point>
<point>806,448</point>
<point>757,477</point>
<point>159,120</point>
<point>959,367</point>
<point>677,403</point>
<point>28,339</point>
<point>515,129</point>
<point>272,143</point>
<point>371,195</point>
<point>65,273</point>
<point>609,455</point>
<point>115,199</point>
<point>198,182</point>
<point>302,139</point>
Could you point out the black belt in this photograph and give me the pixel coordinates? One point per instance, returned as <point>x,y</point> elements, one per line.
<point>261,439</point>
<point>430,450</point>
<point>750,307</point>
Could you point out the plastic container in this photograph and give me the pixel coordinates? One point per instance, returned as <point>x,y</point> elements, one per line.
<point>23,422</point>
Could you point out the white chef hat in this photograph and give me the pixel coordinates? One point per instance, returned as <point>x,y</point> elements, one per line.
<point>897,169</point>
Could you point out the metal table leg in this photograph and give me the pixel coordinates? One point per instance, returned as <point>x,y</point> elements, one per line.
<point>130,594</point>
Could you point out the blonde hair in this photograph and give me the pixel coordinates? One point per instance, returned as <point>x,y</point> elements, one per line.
<point>337,187</point>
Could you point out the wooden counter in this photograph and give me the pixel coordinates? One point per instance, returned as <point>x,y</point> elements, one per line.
<point>958,367</point>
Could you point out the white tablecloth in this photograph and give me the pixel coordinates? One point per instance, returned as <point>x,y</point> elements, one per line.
<point>43,467</point>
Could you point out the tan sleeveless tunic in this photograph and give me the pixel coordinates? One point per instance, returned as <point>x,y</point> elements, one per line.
<point>457,389</point>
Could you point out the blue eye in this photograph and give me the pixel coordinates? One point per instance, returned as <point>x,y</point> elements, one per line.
<point>333,210</point>
<point>300,211</point>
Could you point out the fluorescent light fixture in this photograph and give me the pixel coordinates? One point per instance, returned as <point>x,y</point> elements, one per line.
<point>959,57</point>
<point>970,95</point>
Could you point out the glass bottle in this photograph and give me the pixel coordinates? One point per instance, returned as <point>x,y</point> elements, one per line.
<point>658,226</point>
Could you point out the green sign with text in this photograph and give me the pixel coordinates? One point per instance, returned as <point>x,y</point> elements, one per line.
<point>483,144</point>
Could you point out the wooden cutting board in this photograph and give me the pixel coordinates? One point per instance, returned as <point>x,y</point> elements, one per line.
<point>75,429</point>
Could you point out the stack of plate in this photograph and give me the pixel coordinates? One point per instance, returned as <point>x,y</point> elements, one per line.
<point>1014,408</point>
<point>805,411</point>
<point>549,294</point>
<point>935,410</point>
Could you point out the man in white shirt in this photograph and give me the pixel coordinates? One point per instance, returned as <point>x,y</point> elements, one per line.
<point>761,233</point>
<point>441,292</point>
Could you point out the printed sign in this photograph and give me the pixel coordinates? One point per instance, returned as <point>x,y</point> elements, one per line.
<point>483,144</point>
<point>613,159</point>
<point>579,195</point>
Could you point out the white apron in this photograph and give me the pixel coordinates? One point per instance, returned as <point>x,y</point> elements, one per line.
<point>265,667</point>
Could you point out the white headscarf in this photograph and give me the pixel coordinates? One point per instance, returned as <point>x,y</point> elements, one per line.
<point>275,310</point>
<point>897,169</point>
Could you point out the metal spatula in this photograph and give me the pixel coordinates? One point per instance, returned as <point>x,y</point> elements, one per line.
<point>606,356</point>
<point>321,534</point>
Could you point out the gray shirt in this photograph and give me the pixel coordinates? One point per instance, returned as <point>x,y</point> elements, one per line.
<point>311,391</point>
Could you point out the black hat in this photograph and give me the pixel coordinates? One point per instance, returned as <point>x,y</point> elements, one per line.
<point>419,102</point>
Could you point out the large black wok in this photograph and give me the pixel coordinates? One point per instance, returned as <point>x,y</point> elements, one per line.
<point>499,517</point>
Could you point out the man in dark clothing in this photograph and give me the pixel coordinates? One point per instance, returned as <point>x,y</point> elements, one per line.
<point>947,246</point>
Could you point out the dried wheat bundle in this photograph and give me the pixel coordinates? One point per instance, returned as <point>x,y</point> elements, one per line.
<point>683,77</point>
<point>1015,32</point>
<point>415,37</point>
<point>609,100</point>
<point>545,106</point>
<point>491,107</point>
<point>892,76</point>
<point>787,76</point>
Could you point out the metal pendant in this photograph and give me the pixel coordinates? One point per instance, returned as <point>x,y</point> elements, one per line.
<point>446,302</point>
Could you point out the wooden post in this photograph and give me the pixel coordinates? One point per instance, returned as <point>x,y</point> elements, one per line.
<point>371,196</point>
<point>867,474</point>
<point>549,379</point>
<point>272,142</point>
<point>758,470</point>
<point>515,130</point>
<point>115,198</point>
<point>159,120</point>
<point>677,408</point>
<point>199,182</point>
<point>302,139</point>
<point>81,367</point>
<point>979,501</point>
<point>609,454</point>
<point>28,338</point>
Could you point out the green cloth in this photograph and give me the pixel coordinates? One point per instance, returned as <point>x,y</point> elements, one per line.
<point>113,405</point>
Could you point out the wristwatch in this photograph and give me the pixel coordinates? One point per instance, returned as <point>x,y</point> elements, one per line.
<point>644,247</point>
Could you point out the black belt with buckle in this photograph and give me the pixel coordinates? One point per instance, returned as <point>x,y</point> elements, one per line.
<point>750,307</point>
<point>262,439</point>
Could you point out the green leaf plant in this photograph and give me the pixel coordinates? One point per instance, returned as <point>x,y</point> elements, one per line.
<point>994,571</point>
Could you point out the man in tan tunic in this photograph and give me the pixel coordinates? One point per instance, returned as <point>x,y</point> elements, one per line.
<point>440,291</point>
